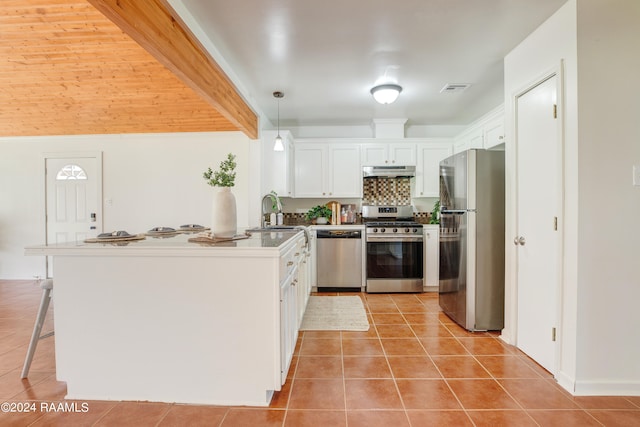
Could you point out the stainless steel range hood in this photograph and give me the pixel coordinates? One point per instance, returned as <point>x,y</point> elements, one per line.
<point>389,171</point>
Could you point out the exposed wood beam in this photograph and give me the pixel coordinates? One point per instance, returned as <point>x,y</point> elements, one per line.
<point>152,25</point>
<point>66,69</point>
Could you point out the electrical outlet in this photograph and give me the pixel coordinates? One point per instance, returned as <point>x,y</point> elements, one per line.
<point>636,175</point>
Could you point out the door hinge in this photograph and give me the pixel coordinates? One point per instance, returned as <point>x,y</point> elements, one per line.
<point>555,223</point>
<point>555,111</point>
<point>553,334</point>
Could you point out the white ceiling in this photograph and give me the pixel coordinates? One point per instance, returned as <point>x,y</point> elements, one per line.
<point>326,55</point>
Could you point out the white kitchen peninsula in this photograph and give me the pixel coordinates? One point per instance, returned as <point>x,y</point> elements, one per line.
<point>172,321</point>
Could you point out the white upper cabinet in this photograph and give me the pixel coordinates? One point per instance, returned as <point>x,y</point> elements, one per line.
<point>311,166</point>
<point>388,154</point>
<point>345,173</point>
<point>493,132</point>
<point>277,166</point>
<point>470,138</point>
<point>486,132</point>
<point>327,170</point>
<point>428,169</point>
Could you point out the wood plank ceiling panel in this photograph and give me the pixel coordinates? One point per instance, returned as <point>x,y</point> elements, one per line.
<point>154,25</point>
<point>65,69</point>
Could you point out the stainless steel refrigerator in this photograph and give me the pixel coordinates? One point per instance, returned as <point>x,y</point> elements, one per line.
<point>471,285</point>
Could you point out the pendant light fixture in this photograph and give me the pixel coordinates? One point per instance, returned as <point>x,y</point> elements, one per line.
<point>278,145</point>
<point>386,94</point>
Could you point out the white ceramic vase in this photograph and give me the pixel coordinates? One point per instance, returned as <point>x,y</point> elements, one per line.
<point>224,218</point>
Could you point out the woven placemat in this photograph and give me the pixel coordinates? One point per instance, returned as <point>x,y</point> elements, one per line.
<point>208,237</point>
<point>115,239</point>
<point>162,233</point>
<point>192,229</point>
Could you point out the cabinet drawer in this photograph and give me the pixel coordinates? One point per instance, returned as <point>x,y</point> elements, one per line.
<point>290,259</point>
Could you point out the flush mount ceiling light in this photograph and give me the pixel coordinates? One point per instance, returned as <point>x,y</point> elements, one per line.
<point>386,94</point>
<point>278,145</point>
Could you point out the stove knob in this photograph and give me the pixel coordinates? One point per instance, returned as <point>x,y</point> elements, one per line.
<point>406,230</point>
<point>375,230</point>
<point>415,230</point>
<point>395,230</point>
<point>382,230</point>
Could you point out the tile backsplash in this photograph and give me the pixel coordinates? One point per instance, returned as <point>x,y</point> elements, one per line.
<point>386,191</point>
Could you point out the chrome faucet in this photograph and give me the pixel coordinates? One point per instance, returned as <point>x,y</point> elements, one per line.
<point>271,197</point>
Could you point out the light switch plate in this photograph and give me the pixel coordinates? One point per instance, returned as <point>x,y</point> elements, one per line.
<point>636,175</point>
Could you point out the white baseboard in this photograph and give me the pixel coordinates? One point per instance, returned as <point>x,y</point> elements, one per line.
<point>566,382</point>
<point>607,388</point>
<point>507,336</point>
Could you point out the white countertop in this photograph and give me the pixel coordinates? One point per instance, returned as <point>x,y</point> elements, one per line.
<point>263,244</point>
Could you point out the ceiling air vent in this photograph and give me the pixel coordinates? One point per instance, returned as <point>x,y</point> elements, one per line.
<point>454,87</point>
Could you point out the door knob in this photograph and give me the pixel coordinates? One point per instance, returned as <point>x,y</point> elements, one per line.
<point>519,241</point>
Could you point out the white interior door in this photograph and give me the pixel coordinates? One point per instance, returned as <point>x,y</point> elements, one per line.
<point>538,211</point>
<point>73,192</point>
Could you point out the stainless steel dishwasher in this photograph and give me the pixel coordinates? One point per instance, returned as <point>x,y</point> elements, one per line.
<point>339,258</point>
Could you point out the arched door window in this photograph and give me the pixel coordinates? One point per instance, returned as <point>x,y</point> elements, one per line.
<point>71,172</point>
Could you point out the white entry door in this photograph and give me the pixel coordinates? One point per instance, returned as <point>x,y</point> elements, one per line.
<point>73,194</point>
<point>538,151</point>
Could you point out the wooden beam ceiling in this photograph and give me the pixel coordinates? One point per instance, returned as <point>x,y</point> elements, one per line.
<point>151,23</point>
<point>66,69</point>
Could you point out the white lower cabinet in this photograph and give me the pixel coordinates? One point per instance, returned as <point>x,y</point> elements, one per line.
<point>295,289</point>
<point>288,322</point>
<point>303,289</point>
<point>431,256</point>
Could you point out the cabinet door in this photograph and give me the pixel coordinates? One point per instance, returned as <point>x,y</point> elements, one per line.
<point>402,154</point>
<point>288,324</point>
<point>310,167</point>
<point>277,166</point>
<point>431,255</point>
<point>494,133</point>
<point>375,154</point>
<point>460,145</point>
<point>302,288</point>
<point>428,169</point>
<point>469,139</point>
<point>476,139</point>
<point>345,173</point>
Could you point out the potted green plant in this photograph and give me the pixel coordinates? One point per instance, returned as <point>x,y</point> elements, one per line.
<point>223,213</point>
<point>226,176</point>
<point>320,214</point>
<point>434,218</point>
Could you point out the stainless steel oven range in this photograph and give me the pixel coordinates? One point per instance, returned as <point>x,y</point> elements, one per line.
<point>394,249</point>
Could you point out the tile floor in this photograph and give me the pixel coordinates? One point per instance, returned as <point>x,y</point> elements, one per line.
<point>414,367</point>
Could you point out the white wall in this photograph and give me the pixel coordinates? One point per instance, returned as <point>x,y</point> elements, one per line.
<point>609,205</point>
<point>551,48</point>
<point>597,44</point>
<point>151,179</point>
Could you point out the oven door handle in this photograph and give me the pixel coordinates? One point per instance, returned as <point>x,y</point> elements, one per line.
<point>394,239</point>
